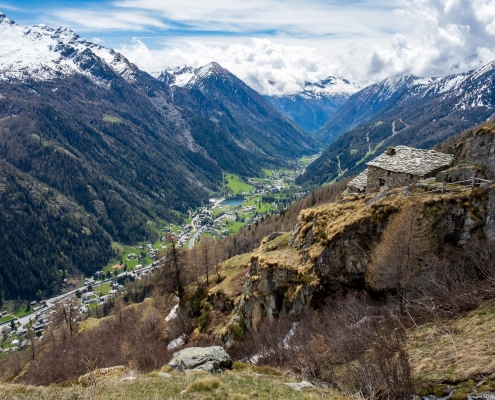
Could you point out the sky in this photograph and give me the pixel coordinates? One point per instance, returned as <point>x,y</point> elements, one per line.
<point>277,45</point>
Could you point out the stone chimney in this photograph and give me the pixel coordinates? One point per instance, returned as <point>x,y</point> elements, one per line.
<point>390,151</point>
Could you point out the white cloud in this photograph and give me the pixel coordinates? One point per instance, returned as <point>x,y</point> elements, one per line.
<point>296,17</point>
<point>434,35</point>
<point>105,20</point>
<point>287,67</point>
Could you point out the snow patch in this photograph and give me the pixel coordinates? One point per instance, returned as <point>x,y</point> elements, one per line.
<point>43,53</point>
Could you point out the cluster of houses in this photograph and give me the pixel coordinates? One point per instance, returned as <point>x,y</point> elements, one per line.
<point>18,340</point>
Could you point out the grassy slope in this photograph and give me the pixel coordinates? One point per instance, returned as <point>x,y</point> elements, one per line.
<point>438,356</point>
<point>237,186</point>
<point>243,382</point>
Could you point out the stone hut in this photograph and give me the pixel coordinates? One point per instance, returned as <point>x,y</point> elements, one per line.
<point>358,184</point>
<point>399,166</point>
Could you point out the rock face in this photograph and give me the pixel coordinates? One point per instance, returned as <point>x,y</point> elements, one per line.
<point>212,359</point>
<point>478,151</point>
<point>474,157</point>
<point>331,247</point>
<point>275,286</point>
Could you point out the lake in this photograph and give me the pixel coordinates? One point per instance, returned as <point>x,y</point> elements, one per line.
<point>232,202</point>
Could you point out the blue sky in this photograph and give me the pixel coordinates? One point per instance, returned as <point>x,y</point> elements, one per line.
<point>158,23</point>
<point>290,40</point>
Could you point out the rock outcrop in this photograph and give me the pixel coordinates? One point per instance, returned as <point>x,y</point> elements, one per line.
<point>331,247</point>
<point>212,359</point>
<point>473,157</point>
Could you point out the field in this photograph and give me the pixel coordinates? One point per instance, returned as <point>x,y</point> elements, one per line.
<point>110,118</point>
<point>131,264</point>
<point>237,185</point>
<point>6,318</point>
<point>103,289</point>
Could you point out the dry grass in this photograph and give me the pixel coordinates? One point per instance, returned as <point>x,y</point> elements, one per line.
<point>89,324</point>
<point>280,240</point>
<point>329,220</point>
<point>286,258</point>
<point>244,382</point>
<point>437,356</point>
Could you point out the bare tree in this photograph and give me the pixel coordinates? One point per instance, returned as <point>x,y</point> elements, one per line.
<point>193,262</point>
<point>207,256</point>
<point>31,335</point>
<point>173,267</point>
<point>67,311</point>
<point>406,244</point>
<point>219,256</point>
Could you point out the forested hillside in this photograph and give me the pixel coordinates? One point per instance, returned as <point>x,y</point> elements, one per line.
<point>44,237</point>
<point>84,121</point>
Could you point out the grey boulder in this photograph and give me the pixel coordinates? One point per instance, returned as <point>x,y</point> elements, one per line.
<point>212,359</point>
<point>300,385</point>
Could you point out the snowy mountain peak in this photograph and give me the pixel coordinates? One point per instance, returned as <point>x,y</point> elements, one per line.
<point>43,53</point>
<point>187,76</point>
<point>329,87</point>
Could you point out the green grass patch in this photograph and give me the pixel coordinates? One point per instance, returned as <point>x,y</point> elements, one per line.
<point>233,226</point>
<point>111,118</point>
<point>21,312</point>
<point>239,384</point>
<point>208,384</point>
<point>6,318</point>
<point>237,185</point>
<point>370,153</point>
<point>103,289</point>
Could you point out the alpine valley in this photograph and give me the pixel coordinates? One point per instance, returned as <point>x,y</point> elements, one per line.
<point>92,149</point>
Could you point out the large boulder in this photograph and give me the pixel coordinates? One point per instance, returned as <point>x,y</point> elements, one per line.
<point>211,359</point>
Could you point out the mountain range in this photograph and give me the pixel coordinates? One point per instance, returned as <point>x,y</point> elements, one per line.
<point>94,150</point>
<point>403,109</point>
<point>312,107</point>
<point>124,148</point>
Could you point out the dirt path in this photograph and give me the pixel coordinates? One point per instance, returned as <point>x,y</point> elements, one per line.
<point>393,126</point>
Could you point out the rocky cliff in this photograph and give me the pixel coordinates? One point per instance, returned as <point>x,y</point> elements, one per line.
<point>331,246</point>
<point>474,156</point>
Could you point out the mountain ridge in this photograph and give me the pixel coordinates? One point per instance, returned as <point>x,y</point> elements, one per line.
<point>126,148</point>
<point>417,112</point>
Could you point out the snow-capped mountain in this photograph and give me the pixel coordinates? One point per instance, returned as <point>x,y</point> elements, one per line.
<point>42,53</point>
<point>186,76</point>
<point>316,103</point>
<point>310,108</point>
<point>402,109</point>
<point>235,107</point>
<point>362,105</point>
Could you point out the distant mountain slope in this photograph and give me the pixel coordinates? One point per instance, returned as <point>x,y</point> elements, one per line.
<point>365,104</point>
<point>313,107</point>
<point>418,115</point>
<point>57,237</point>
<point>253,122</point>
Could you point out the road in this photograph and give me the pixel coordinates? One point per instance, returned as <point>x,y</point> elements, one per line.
<point>50,303</point>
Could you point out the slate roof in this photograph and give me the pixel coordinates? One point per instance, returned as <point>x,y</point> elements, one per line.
<point>412,161</point>
<point>360,181</point>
